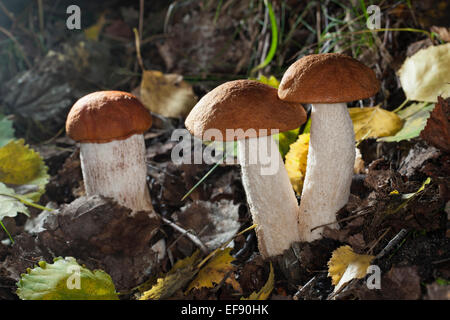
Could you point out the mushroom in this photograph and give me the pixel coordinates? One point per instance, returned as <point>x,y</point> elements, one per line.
<point>109,127</point>
<point>245,110</point>
<point>327,81</point>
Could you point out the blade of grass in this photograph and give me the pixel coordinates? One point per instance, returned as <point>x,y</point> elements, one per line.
<point>6,231</point>
<point>274,42</point>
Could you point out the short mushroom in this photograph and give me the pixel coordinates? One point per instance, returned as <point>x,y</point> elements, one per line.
<point>248,111</point>
<point>109,126</point>
<point>328,82</point>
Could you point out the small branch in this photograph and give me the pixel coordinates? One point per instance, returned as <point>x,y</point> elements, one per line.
<point>342,220</point>
<point>191,236</point>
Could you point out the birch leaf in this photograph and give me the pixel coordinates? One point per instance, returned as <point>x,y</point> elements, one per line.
<point>374,122</point>
<point>346,265</point>
<point>296,160</point>
<point>166,94</point>
<point>214,271</point>
<point>6,130</point>
<point>178,277</point>
<point>20,165</point>
<point>426,74</point>
<point>415,116</point>
<point>9,206</point>
<point>65,279</point>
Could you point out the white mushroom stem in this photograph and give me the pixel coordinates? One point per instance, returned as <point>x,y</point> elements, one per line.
<point>329,169</point>
<point>117,169</point>
<point>270,196</point>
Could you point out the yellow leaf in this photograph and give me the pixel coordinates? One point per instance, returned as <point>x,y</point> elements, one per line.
<point>20,165</point>
<point>295,163</point>
<point>93,31</point>
<point>271,81</point>
<point>374,122</point>
<point>266,290</point>
<point>180,274</point>
<point>426,74</point>
<point>346,265</point>
<point>213,272</point>
<point>166,94</point>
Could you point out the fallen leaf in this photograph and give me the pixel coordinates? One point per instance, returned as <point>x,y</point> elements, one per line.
<point>399,283</point>
<point>214,271</point>
<point>6,130</point>
<point>346,265</point>
<point>20,165</point>
<point>213,222</point>
<point>65,279</point>
<point>93,32</point>
<point>266,290</point>
<point>374,122</point>
<point>296,160</point>
<point>178,277</point>
<point>166,94</point>
<point>10,206</point>
<point>415,117</point>
<point>437,129</point>
<point>426,74</point>
<point>271,81</point>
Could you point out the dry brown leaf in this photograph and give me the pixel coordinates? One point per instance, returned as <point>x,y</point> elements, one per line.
<point>437,129</point>
<point>266,290</point>
<point>166,94</point>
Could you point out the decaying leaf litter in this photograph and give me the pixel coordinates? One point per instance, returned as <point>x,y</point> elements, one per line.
<point>204,247</point>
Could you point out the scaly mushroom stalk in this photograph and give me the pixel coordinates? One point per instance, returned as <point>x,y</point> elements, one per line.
<point>329,168</point>
<point>270,197</point>
<point>247,108</point>
<point>328,81</point>
<point>117,169</point>
<point>109,126</point>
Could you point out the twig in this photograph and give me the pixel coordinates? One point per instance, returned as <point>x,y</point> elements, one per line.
<point>303,289</point>
<point>341,220</point>
<point>137,40</point>
<point>191,236</point>
<point>378,240</point>
<point>394,242</point>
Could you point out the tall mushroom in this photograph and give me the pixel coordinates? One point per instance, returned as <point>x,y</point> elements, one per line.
<point>109,127</point>
<point>328,82</point>
<point>238,110</point>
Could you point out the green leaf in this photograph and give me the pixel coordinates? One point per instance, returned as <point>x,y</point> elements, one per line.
<point>65,279</point>
<point>285,139</point>
<point>10,206</point>
<point>415,116</point>
<point>20,165</point>
<point>6,130</point>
